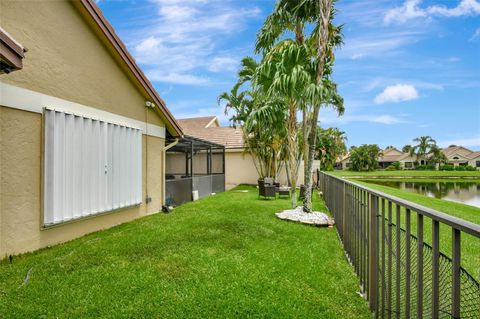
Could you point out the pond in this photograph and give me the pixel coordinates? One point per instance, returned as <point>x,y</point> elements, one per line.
<point>466,192</point>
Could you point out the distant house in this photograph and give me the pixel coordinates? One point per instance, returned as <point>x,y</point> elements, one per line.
<point>82,130</point>
<point>461,156</point>
<point>343,162</point>
<point>388,157</point>
<point>239,164</point>
<point>391,155</point>
<point>456,155</point>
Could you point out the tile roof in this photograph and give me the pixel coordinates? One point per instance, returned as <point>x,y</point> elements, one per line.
<point>450,150</point>
<point>195,122</point>
<point>474,155</point>
<point>392,158</point>
<point>230,137</point>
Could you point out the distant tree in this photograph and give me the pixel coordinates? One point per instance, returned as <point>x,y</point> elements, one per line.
<point>423,147</point>
<point>330,145</point>
<point>436,156</point>
<point>364,157</point>
<point>389,147</point>
<point>407,148</point>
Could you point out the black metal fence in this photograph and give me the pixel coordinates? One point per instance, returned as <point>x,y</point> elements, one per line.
<point>401,275</point>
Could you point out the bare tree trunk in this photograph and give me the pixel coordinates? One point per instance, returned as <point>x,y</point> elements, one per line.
<point>325,7</point>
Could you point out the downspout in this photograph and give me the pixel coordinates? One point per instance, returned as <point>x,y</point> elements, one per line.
<point>164,155</point>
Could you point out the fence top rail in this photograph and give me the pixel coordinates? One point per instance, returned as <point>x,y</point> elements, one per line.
<point>454,222</point>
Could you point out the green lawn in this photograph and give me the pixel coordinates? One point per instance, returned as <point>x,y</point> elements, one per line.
<point>408,173</point>
<point>470,247</point>
<point>224,256</point>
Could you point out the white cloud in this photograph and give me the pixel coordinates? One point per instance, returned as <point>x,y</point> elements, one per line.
<point>330,117</point>
<point>464,8</point>
<point>386,119</point>
<point>372,45</point>
<point>396,93</point>
<point>223,63</point>
<point>377,82</point>
<point>176,78</point>
<point>467,142</point>
<point>183,39</point>
<point>411,10</point>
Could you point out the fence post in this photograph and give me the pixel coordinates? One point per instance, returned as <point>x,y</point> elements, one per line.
<point>345,240</point>
<point>373,254</point>
<point>456,273</point>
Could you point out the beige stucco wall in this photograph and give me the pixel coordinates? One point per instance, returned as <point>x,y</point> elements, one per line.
<point>20,197</point>
<point>240,169</point>
<point>65,59</point>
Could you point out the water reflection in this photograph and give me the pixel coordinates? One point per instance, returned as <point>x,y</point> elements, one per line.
<point>462,192</point>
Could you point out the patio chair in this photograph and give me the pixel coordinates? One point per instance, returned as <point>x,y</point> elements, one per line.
<point>266,190</point>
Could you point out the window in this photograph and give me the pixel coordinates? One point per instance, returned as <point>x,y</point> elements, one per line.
<point>90,166</point>
<point>477,163</point>
<point>408,165</point>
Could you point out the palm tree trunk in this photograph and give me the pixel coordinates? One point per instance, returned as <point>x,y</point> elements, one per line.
<point>292,149</point>
<point>312,141</point>
<point>287,172</point>
<point>324,21</point>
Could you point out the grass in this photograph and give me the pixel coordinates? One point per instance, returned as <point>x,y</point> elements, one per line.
<point>470,246</point>
<point>408,173</point>
<point>221,257</point>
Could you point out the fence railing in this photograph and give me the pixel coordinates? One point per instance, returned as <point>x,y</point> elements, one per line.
<point>401,274</point>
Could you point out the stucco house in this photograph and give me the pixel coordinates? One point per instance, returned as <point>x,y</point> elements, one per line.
<point>459,155</point>
<point>388,157</point>
<point>456,155</point>
<point>391,155</point>
<point>82,130</point>
<point>239,164</point>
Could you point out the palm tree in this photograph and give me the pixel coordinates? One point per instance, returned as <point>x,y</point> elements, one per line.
<point>423,147</point>
<point>330,146</point>
<point>263,131</point>
<point>407,148</point>
<point>283,75</point>
<point>437,157</point>
<point>364,157</point>
<point>292,16</point>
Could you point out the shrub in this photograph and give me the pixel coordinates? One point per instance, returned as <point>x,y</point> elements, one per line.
<point>470,168</point>
<point>460,168</point>
<point>397,165</point>
<point>425,168</point>
<point>391,168</point>
<point>447,168</point>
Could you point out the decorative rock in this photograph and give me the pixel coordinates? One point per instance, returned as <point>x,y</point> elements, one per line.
<point>298,215</point>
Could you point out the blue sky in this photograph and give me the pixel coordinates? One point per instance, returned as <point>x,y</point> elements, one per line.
<point>408,67</point>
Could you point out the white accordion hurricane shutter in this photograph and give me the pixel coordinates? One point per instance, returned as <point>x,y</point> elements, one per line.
<point>90,166</point>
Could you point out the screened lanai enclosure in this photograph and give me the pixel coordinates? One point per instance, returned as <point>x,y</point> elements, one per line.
<point>193,167</point>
